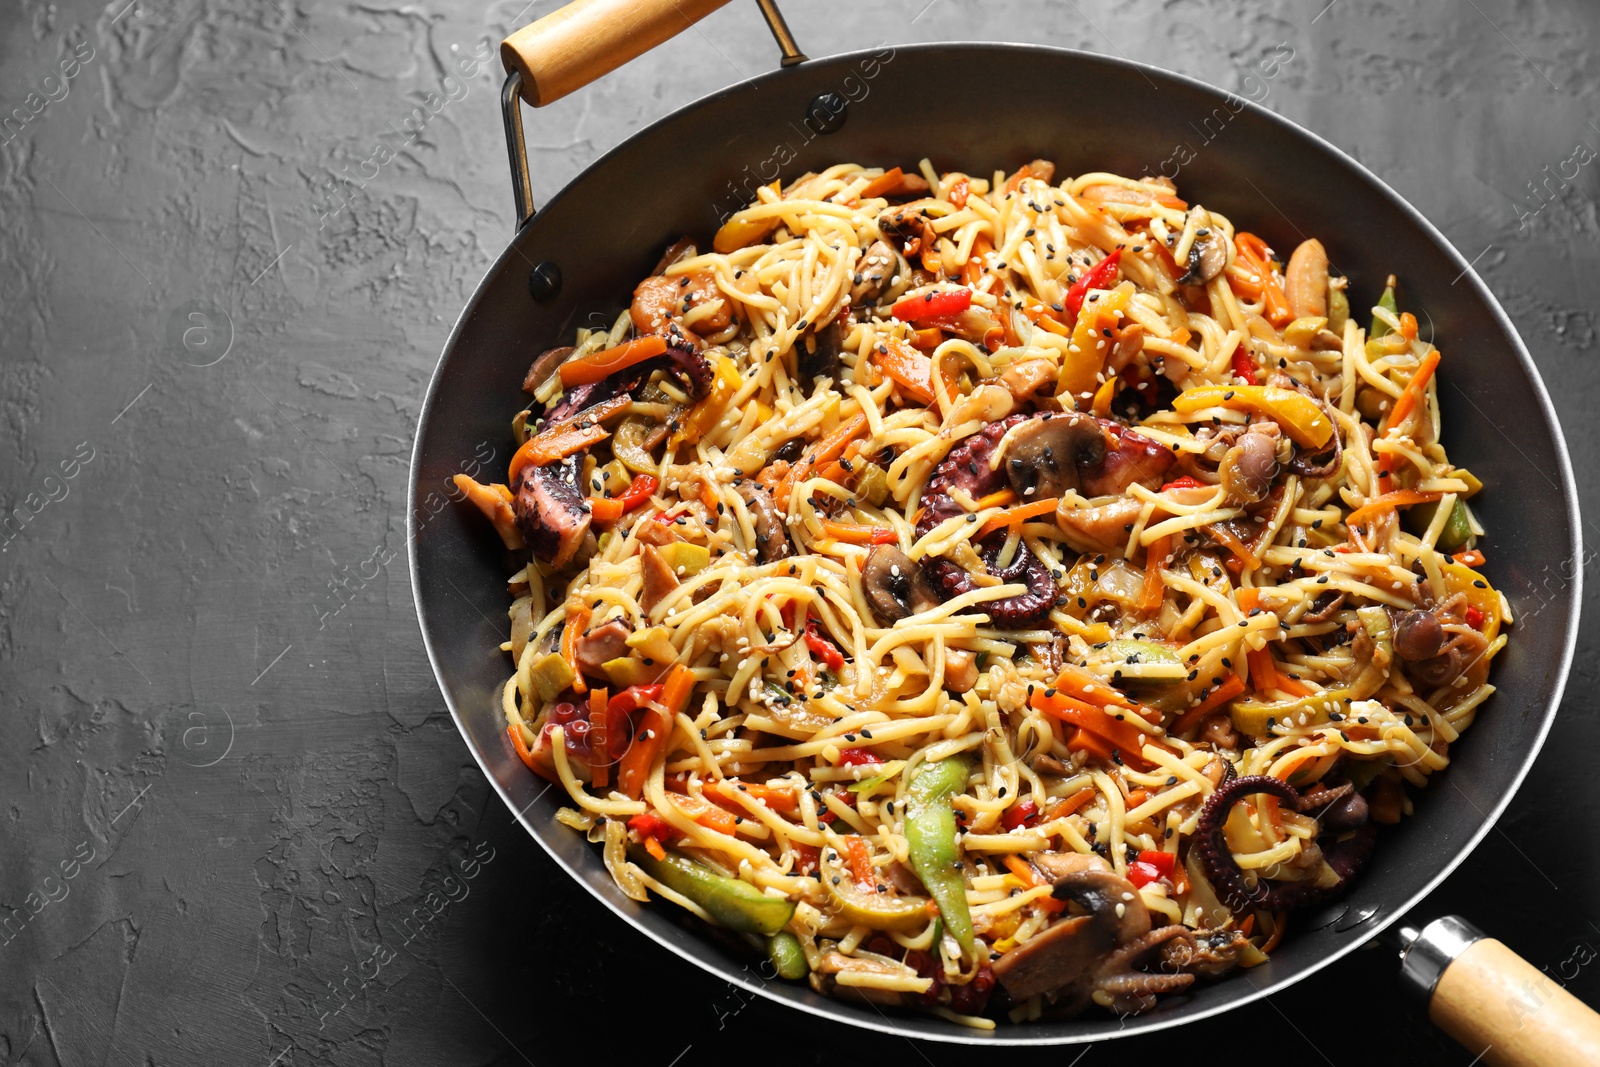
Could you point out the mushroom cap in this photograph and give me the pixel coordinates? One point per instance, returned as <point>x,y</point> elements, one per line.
<point>1418,635</point>
<point>1048,455</point>
<point>894,585</point>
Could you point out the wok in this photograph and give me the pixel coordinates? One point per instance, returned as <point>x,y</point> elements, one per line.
<point>582,253</point>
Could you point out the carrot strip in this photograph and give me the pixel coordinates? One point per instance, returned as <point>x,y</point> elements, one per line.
<point>1019,514</point>
<point>652,846</point>
<point>828,450</point>
<point>856,533</point>
<point>1067,805</point>
<point>1029,877</point>
<point>719,790</point>
<point>1099,747</point>
<point>1125,736</point>
<point>909,369</point>
<point>1280,921</point>
<point>1400,498</point>
<point>1197,714</point>
<point>706,813</point>
<point>1154,588</point>
<point>1411,395</point>
<point>1257,257</point>
<point>998,499</point>
<point>577,621</point>
<point>523,751</point>
<point>599,739</point>
<point>860,862</point>
<point>653,731</point>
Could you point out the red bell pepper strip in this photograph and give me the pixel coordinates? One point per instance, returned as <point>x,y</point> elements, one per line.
<point>858,757</point>
<point>932,305</point>
<point>1141,874</point>
<point>1474,618</point>
<point>1163,862</point>
<point>610,509</point>
<point>1243,365</point>
<point>1185,482</point>
<point>1023,813</point>
<point>821,647</point>
<point>1096,277</point>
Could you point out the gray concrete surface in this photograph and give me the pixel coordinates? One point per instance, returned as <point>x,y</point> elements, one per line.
<point>225,770</point>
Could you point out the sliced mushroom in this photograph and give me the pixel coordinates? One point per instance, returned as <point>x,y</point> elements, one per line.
<point>658,578</point>
<point>772,540</point>
<point>1112,900</point>
<point>544,366</point>
<point>1305,280</point>
<point>819,353</point>
<point>1208,257</point>
<point>895,586</point>
<point>874,270</point>
<point>1048,455</point>
<point>603,643</point>
<point>1062,954</point>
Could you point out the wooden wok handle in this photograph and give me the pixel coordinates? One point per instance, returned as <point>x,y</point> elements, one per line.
<point>574,45</point>
<point>1495,1003</point>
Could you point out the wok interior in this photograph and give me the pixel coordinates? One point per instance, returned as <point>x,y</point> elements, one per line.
<point>606,229</point>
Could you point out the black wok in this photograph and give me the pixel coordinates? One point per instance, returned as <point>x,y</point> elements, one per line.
<point>582,253</point>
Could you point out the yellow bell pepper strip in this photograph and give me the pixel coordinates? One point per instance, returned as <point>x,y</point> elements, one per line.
<point>495,502</point>
<point>1481,596</point>
<point>738,232</point>
<point>612,508</point>
<point>1086,352</point>
<point>930,829</point>
<point>906,367</point>
<point>1400,498</point>
<point>653,730</point>
<point>1257,258</point>
<point>600,365</point>
<point>1300,416</point>
<point>705,415</point>
<point>732,902</point>
<point>1103,396</point>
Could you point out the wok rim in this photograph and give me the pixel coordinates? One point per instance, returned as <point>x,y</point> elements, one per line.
<point>1025,1034</point>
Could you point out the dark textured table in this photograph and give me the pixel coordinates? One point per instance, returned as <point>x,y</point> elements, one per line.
<point>238,825</point>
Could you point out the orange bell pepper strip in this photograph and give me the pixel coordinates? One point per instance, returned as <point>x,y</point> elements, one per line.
<point>603,364</point>
<point>1400,498</point>
<point>1257,257</point>
<point>654,729</point>
<point>906,367</point>
<point>495,503</point>
<point>1024,872</point>
<point>705,813</point>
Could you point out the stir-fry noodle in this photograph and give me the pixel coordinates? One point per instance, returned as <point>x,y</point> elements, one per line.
<point>992,596</point>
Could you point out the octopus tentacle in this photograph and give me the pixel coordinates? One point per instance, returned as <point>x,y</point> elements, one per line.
<point>1345,857</point>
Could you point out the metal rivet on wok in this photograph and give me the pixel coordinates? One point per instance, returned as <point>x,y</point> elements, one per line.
<point>827,112</point>
<point>544,281</point>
